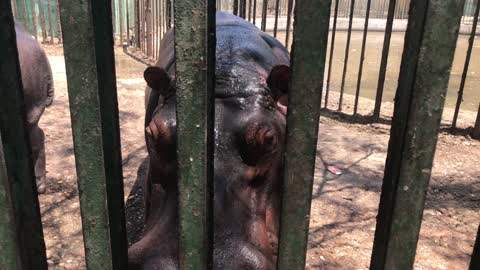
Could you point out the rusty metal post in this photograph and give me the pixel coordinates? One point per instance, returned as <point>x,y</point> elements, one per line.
<point>254,10</point>
<point>384,61</point>
<point>277,9</point>
<point>127,9</point>
<point>420,97</point>
<point>264,15</point>
<point>289,21</point>
<point>41,9</point>
<point>137,23</point>
<point>235,7</point>
<point>476,128</point>
<point>195,65</point>
<point>9,240</point>
<point>24,15</point>
<point>347,53</point>
<point>34,19</point>
<point>310,38</point>
<point>332,48</point>
<point>15,9</point>
<point>475,261</point>
<point>59,24</point>
<point>90,67</point>
<point>114,21</point>
<point>471,40</point>
<point>50,21</point>
<point>19,179</point>
<point>362,56</point>
<point>120,20</point>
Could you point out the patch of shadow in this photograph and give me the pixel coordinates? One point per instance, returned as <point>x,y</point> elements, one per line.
<point>134,208</point>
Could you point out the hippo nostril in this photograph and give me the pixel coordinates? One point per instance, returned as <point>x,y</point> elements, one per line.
<point>273,241</point>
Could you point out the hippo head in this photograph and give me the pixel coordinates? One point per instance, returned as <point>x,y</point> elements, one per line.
<point>248,163</point>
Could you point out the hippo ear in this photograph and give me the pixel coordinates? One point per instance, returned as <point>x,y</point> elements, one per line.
<point>157,78</point>
<point>278,81</point>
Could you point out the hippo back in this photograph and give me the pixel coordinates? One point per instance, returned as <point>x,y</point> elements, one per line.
<point>36,75</point>
<point>244,54</point>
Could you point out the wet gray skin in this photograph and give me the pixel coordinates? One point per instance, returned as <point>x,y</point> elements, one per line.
<point>250,107</point>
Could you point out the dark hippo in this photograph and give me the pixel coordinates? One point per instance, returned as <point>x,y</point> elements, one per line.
<point>38,94</point>
<point>250,105</point>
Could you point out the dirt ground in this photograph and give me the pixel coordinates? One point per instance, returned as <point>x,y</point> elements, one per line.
<point>344,207</point>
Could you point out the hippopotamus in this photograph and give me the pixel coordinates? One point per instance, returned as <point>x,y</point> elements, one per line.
<point>38,94</point>
<point>251,99</point>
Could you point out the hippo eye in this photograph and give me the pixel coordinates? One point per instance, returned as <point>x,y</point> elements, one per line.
<point>259,143</point>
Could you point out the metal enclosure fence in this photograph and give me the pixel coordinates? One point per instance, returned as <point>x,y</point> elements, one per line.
<point>89,56</point>
<point>142,23</point>
<point>276,17</point>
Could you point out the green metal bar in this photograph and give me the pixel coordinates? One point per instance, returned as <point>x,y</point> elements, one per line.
<point>9,246</point>
<point>471,40</point>
<point>476,129</point>
<point>88,47</point>
<point>307,72</point>
<point>107,87</point>
<point>17,153</point>
<point>423,82</point>
<point>194,62</point>
<point>475,261</point>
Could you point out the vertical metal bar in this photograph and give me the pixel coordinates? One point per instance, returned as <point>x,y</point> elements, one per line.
<point>332,48</point>
<point>254,10</point>
<point>476,128</point>
<point>148,19</point>
<point>154,28</point>
<point>127,9</point>
<point>419,101</point>
<point>34,19</point>
<point>120,20</point>
<point>384,61</point>
<point>17,153</point>
<point>136,10</point>
<point>475,261</point>
<point>289,21</point>
<point>249,10</point>
<point>243,8</point>
<point>264,15</point>
<point>41,9</point>
<point>90,68</point>
<point>235,7</point>
<point>9,242</point>
<point>471,40</point>
<point>277,7</point>
<point>169,14</point>
<point>24,13</point>
<point>15,9</point>
<point>59,24</point>
<point>347,52</point>
<point>194,62</point>
<point>362,56</point>
<point>50,21</point>
<point>114,20</point>
<point>310,38</point>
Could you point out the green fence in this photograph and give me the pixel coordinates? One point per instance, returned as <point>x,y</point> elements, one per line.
<point>89,58</point>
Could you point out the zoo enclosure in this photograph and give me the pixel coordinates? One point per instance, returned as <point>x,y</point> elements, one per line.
<point>142,24</point>
<point>88,44</point>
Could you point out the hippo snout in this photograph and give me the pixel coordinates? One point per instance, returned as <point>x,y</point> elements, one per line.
<point>241,256</point>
